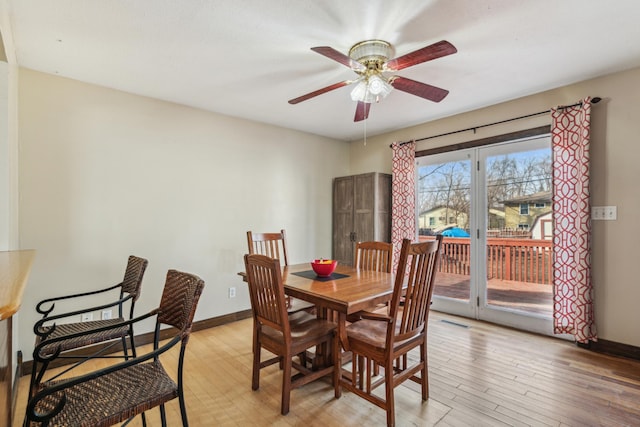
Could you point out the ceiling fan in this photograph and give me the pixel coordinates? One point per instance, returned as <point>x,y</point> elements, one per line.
<point>370,61</point>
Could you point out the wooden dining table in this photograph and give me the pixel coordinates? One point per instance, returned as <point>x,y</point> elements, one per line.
<point>347,291</point>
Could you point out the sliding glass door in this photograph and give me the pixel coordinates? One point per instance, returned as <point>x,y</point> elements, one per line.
<point>493,205</point>
<point>444,205</point>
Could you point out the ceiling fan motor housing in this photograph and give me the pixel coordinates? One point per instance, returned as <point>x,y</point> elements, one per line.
<point>373,54</point>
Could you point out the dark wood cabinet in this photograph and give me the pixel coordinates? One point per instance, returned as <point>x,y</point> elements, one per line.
<point>361,212</point>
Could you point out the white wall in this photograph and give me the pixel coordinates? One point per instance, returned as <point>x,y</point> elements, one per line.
<point>4,156</point>
<point>615,173</point>
<point>105,174</point>
<point>8,157</point>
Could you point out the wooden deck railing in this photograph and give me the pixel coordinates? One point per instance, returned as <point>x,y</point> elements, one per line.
<point>522,260</point>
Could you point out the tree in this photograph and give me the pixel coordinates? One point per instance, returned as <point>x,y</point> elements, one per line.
<point>508,176</point>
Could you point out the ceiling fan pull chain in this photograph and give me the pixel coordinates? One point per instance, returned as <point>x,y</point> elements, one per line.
<point>365,132</point>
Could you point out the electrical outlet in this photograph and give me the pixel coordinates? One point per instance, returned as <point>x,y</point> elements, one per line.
<point>86,317</point>
<point>232,292</point>
<point>106,314</point>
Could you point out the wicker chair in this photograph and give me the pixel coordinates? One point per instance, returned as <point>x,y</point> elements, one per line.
<point>384,340</point>
<point>283,334</point>
<point>123,390</point>
<point>53,340</point>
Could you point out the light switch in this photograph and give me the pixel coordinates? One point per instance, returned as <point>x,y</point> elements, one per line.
<point>611,213</point>
<point>604,213</point>
<point>597,213</point>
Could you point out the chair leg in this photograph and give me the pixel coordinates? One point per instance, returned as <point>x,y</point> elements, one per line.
<point>286,384</point>
<point>163,416</point>
<point>424,375</point>
<point>390,403</point>
<point>337,366</point>
<point>255,376</point>
<point>125,347</point>
<point>32,380</point>
<point>183,409</point>
<point>37,375</point>
<point>303,358</point>
<point>360,371</point>
<point>132,343</point>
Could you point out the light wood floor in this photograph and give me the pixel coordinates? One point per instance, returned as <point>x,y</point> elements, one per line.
<point>480,375</point>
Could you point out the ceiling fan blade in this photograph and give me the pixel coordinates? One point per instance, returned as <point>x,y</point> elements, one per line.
<point>428,53</point>
<point>319,92</point>
<point>422,90</point>
<point>362,111</point>
<point>340,57</point>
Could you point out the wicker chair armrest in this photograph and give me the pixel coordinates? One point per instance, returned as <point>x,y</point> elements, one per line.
<point>52,301</point>
<point>44,341</point>
<point>31,413</point>
<point>38,327</point>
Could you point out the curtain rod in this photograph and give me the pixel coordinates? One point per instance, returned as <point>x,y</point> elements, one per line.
<point>594,100</point>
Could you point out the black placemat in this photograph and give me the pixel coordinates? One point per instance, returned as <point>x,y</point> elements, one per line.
<point>310,274</point>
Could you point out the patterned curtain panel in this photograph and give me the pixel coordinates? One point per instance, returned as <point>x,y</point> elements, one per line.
<point>403,198</point>
<point>573,292</point>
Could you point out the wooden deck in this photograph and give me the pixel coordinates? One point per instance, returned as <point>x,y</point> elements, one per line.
<point>527,297</point>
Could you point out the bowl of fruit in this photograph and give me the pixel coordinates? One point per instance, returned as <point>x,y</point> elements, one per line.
<point>324,267</point>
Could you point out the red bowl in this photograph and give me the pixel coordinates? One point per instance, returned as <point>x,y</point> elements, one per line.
<point>324,268</point>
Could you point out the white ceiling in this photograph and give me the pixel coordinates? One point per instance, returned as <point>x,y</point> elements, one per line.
<point>247,58</point>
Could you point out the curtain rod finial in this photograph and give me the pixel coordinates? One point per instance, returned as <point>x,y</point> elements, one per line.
<point>595,99</point>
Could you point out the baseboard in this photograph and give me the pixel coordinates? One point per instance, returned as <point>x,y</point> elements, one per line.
<point>613,348</point>
<point>142,339</point>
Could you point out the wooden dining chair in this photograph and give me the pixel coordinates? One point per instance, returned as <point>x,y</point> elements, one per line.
<point>384,340</point>
<point>285,334</point>
<point>274,245</point>
<point>373,256</point>
<point>54,326</point>
<point>121,391</point>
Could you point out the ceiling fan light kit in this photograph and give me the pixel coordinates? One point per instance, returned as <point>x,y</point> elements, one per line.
<point>371,89</point>
<point>370,60</point>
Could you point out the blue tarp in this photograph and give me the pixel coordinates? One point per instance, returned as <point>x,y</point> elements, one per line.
<point>455,232</point>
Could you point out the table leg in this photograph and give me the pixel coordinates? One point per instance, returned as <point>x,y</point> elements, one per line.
<point>342,332</point>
